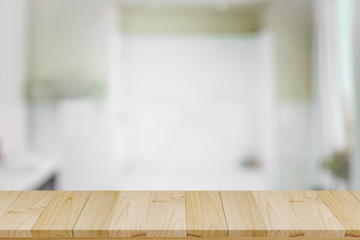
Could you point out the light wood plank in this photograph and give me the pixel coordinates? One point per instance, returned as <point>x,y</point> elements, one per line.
<point>167,215</point>
<point>204,214</point>
<point>213,238</point>
<point>278,216</point>
<point>114,214</point>
<point>130,214</point>
<point>95,219</point>
<point>23,214</point>
<point>60,216</point>
<point>346,207</point>
<point>356,194</point>
<point>154,215</point>
<point>242,214</point>
<point>7,198</point>
<point>315,217</point>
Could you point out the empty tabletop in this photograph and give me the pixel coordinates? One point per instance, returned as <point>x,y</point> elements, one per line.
<point>179,214</point>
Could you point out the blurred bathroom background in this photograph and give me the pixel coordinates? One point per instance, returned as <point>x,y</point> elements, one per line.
<point>179,94</point>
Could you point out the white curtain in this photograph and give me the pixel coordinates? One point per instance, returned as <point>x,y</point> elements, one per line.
<point>333,85</point>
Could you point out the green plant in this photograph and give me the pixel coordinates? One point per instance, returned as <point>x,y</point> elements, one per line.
<point>338,164</point>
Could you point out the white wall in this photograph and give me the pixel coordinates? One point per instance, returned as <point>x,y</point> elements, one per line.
<point>191,97</point>
<point>355,167</point>
<point>294,148</point>
<point>197,103</point>
<point>70,42</point>
<point>13,57</point>
<point>290,21</point>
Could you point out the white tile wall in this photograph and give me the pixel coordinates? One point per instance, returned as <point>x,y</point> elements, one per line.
<point>294,145</point>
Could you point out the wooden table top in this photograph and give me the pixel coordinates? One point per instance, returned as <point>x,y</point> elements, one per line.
<point>179,214</point>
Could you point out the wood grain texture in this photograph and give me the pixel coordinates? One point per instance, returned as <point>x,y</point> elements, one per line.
<point>114,214</point>
<point>242,214</point>
<point>279,217</point>
<point>356,194</point>
<point>346,207</point>
<point>179,214</point>
<point>213,238</point>
<point>167,215</point>
<point>60,215</point>
<point>130,214</point>
<point>7,198</point>
<point>96,216</point>
<point>23,214</point>
<point>204,214</point>
<point>315,217</point>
